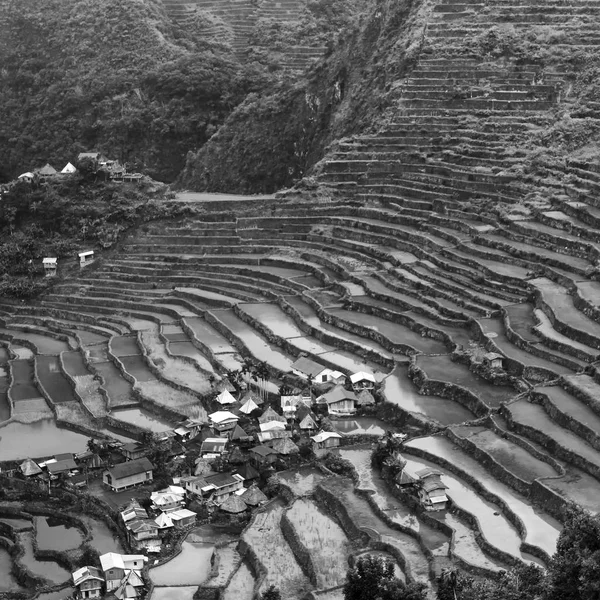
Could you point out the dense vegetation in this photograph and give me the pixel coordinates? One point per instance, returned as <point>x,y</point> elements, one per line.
<point>112,76</point>
<point>57,219</point>
<point>273,138</point>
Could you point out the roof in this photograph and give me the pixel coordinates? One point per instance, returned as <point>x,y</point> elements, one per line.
<point>162,498</point>
<point>28,174</point>
<point>93,155</point>
<point>324,435</point>
<point>86,573</point>
<point>253,496</point>
<point>47,169</point>
<point>275,434</point>
<point>49,261</point>
<point>308,423</point>
<point>163,521</point>
<point>220,479</point>
<point>111,560</point>
<point>362,375</point>
<point>139,525</point>
<point>133,512</point>
<point>225,397</point>
<point>271,415</point>
<point>262,450</point>
<point>85,253</point>
<point>247,471</point>
<point>222,416</point>
<point>307,366</point>
<point>433,483</point>
<point>365,397</point>
<point>238,433</point>
<point>492,356</point>
<point>69,168</point>
<point>214,445</point>
<point>338,394</point>
<point>181,513</point>
<point>285,446</point>
<point>272,425</point>
<point>29,467</point>
<point>234,504</point>
<point>60,466</point>
<point>250,395</point>
<point>248,406</point>
<point>132,467</point>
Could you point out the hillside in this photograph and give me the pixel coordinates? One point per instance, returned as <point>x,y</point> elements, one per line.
<point>408,66</point>
<point>128,79</point>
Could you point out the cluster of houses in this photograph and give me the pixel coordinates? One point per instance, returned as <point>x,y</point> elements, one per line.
<point>119,575</point>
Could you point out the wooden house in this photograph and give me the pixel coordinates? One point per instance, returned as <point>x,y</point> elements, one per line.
<point>270,415</point>
<point>431,489</point>
<point>88,582</point>
<point>214,487</point>
<point>131,586</point>
<point>61,466</point>
<point>27,177</point>
<point>248,407</point>
<point>247,472</point>
<point>339,400</point>
<point>324,442</point>
<point>362,381</point>
<point>29,468</point>
<point>50,266</point>
<point>223,420</point>
<point>114,567</point>
<point>143,533</point>
<point>47,172</point>
<point>166,501</point>
<point>182,518</point>
<point>289,405</point>
<point>308,423</point>
<point>309,369</point>
<point>85,258</point>
<point>263,455</point>
<point>128,474</point>
<point>239,436</point>
<point>493,360</point>
<point>213,447</point>
<point>133,450</point>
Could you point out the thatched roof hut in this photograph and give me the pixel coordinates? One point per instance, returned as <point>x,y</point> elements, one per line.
<point>285,446</point>
<point>234,505</point>
<point>253,496</point>
<point>29,468</point>
<point>271,415</point>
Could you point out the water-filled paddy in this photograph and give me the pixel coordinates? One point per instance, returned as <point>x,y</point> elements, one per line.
<point>74,365</point>
<point>4,403</point>
<point>136,366</point>
<point>119,390</point>
<point>175,593</point>
<point>40,439</point>
<point>188,349</point>
<point>124,345</point>
<point>190,567</point>
<point>208,335</point>
<point>7,582</point>
<point>54,534</point>
<point>23,387</point>
<point>103,540</point>
<point>142,418</point>
<point>53,379</point>
<point>362,426</point>
<point>273,317</point>
<point>400,390</point>
<point>44,344</point>
<point>44,568</point>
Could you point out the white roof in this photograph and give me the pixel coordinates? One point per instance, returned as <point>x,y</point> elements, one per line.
<point>436,499</point>
<point>272,425</point>
<point>324,435</point>
<point>111,560</point>
<point>249,406</point>
<point>336,374</point>
<point>163,521</point>
<point>69,168</point>
<point>49,261</point>
<point>176,489</point>
<point>221,416</point>
<point>182,513</point>
<point>28,174</point>
<point>362,375</point>
<point>225,397</point>
<point>182,431</point>
<point>86,253</point>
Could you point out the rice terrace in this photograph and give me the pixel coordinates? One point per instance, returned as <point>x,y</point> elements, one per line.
<point>223,395</point>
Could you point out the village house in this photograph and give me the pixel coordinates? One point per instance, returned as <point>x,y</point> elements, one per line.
<point>163,522</point>
<point>131,586</point>
<point>182,518</point>
<point>214,487</point>
<point>68,169</point>
<point>46,172</point>
<point>50,265</point>
<point>223,420</point>
<point>362,381</point>
<point>133,450</point>
<point>213,447</point>
<point>493,360</point>
<point>248,407</point>
<point>133,511</point>
<point>239,436</point>
<point>166,501</point>
<point>61,465</point>
<point>143,533</point>
<point>225,397</point>
<point>262,455</point>
<point>325,441</point>
<point>432,491</point>
<point>308,423</point>
<point>29,468</point>
<point>247,472</point>
<point>339,400</point>
<point>26,177</point>
<point>128,474</point>
<point>89,582</point>
<point>273,434</point>
<point>116,566</point>
<point>270,415</point>
<point>85,258</point>
<point>309,369</point>
<point>289,405</point>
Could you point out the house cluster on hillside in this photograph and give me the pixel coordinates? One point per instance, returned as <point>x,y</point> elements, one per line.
<point>120,575</point>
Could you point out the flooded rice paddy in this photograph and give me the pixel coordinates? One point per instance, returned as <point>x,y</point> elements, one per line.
<point>142,418</point>
<point>53,534</point>
<point>47,569</point>
<point>190,567</point>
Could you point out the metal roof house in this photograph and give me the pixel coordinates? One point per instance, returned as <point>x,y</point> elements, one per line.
<point>128,474</point>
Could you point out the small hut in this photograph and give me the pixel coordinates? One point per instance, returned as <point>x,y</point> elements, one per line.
<point>285,446</point>
<point>250,395</point>
<point>163,521</point>
<point>225,397</point>
<point>29,468</point>
<point>248,406</point>
<point>253,496</point>
<point>50,264</point>
<point>47,171</point>
<point>234,505</point>
<point>365,398</point>
<point>236,457</point>
<point>68,169</point>
<point>308,423</point>
<point>493,360</point>
<point>248,472</point>
<point>86,258</point>
<point>271,415</point>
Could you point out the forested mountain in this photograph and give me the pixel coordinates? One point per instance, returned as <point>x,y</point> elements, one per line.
<point>127,79</point>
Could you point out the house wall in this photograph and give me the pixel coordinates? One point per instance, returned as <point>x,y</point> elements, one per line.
<point>113,578</point>
<point>125,482</point>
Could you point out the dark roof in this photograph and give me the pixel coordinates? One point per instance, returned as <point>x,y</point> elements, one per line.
<point>307,366</point>
<point>238,433</point>
<point>138,525</point>
<point>271,415</point>
<point>132,447</point>
<point>262,450</point>
<point>60,466</point>
<point>247,471</point>
<point>131,467</point>
<point>338,394</point>
<point>64,456</point>
<point>214,445</point>
<point>220,479</point>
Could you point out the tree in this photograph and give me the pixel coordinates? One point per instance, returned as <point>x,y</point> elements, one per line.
<point>372,578</point>
<point>271,594</point>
